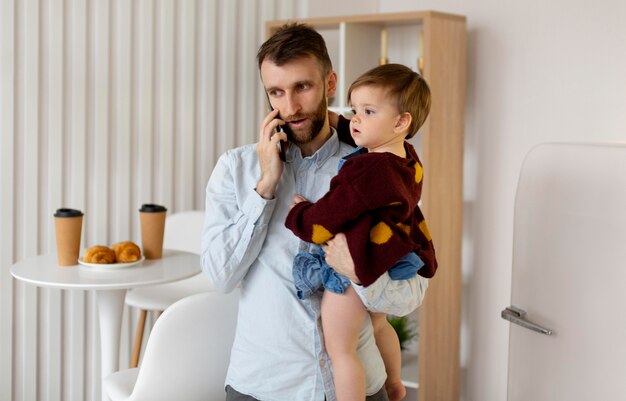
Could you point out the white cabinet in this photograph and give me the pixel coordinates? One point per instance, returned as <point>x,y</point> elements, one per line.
<point>568,274</point>
<point>436,42</point>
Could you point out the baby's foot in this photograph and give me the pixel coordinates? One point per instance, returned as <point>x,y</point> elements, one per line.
<point>395,390</point>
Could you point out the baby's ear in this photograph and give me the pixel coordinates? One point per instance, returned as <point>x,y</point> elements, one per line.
<point>404,120</point>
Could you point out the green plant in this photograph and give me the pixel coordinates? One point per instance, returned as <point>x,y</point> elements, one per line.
<point>405,328</point>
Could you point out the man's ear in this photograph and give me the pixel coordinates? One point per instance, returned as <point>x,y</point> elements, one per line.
<point>331,84</point>
<point>404,120</point>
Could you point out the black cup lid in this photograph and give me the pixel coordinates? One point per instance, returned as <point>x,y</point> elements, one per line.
<point>68,213</point>
<point>150,208</point>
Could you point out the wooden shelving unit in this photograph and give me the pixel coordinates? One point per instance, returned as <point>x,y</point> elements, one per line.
<point>439,40</point>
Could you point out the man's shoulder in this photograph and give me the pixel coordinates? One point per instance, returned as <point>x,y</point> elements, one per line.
<point>243,150</point>
<point>345,149</point>
<point>241,154</point>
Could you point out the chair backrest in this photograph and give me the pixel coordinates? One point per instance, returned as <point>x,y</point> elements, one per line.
<point>183,231</point>
<point>188,352</point>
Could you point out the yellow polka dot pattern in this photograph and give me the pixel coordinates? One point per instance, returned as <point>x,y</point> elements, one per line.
<point>424,229</point>
<point>404,227</point>
<point>419,173</point>
<point>320,234</point>
<point>380,233</point>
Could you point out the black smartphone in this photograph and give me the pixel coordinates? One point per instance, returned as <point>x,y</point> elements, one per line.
<point>281,144</point>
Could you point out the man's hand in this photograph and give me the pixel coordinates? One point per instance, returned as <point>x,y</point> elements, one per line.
<point>339,258</point>
<point>267,151</point>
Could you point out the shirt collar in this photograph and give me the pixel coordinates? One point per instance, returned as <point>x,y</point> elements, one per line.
<point>359,150</point>
<point>328,149</point>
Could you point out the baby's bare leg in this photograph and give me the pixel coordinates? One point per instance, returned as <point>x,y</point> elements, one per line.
<point>389,347</point>
<point>343,316</point>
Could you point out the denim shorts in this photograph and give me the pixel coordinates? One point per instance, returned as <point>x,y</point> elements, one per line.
<point>311,273</point>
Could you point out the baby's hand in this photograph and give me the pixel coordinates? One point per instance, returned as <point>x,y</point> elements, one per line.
<point>339,258</point>
<point>296,199</point>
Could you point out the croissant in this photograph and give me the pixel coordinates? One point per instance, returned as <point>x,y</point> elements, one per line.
<point>126,252</point>
<point>100,255</point>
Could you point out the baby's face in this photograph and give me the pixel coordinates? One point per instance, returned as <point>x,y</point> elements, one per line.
<point>375,120</point>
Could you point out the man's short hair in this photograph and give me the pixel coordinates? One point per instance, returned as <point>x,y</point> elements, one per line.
<point>293,41</point>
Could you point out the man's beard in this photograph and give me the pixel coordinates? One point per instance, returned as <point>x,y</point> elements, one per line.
<point>317,118</point>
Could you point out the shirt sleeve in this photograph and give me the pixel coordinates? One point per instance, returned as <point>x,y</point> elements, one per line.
<point>234,229</point>
<point>395,297</point>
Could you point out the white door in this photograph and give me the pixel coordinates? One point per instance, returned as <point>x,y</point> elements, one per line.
<point>569,275</point>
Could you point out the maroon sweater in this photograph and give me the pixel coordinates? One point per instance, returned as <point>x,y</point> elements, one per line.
<point>373,201</point>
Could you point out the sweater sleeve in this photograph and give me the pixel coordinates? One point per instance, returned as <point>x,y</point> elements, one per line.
<point>358,189</point>
<point>318,222</point>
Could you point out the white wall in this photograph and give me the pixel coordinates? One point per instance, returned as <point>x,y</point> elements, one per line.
<point>538,71</point>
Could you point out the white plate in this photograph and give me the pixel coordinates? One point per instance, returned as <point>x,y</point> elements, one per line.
<point>110,266</point>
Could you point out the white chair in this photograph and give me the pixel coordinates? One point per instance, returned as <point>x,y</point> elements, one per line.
<point>183,231</point>
<point>187,354</point>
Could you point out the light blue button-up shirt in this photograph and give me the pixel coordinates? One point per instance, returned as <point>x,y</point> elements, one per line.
<point>278,352</point>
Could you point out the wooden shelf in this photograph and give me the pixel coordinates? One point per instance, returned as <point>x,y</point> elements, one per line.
<point>440,40</point>
<point>410,370</point>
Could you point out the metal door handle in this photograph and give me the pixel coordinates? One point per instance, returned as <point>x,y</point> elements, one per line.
<point>518,316</point>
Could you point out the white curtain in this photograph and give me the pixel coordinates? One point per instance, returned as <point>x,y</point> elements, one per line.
<point>105,105</point>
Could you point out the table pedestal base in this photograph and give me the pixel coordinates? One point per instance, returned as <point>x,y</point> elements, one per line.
<point>110,310</point>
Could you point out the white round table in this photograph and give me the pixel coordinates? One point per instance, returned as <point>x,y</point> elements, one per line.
<point>110,287</point>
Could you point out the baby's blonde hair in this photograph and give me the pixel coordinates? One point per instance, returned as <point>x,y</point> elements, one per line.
<point>409,90</point>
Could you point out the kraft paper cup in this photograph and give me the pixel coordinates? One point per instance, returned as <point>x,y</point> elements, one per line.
<point>68,224</point>
<point>152,219</point>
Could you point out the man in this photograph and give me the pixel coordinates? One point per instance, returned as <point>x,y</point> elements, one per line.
<point>278,352</point>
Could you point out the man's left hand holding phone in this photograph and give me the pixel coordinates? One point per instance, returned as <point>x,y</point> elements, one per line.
<point>270,150</point>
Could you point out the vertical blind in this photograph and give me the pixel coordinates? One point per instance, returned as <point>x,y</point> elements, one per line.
<point>105,105</point>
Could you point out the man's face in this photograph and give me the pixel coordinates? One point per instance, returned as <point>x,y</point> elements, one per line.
<point>297,130</point>
<point>298,91</point>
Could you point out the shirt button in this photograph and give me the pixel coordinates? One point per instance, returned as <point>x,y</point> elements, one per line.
<point>322,362</point>
<point>302,174</point>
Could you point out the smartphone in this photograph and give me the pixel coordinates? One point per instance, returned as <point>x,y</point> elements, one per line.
<point>281,144</point>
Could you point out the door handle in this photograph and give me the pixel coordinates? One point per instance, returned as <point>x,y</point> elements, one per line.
<point>518,316</point>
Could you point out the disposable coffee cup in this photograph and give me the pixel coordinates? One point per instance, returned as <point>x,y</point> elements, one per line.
<point>69,224</point>
<point>152,219</point>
